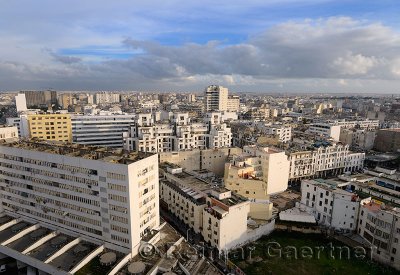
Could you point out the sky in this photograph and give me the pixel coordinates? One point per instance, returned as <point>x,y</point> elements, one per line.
<point>349,46</point>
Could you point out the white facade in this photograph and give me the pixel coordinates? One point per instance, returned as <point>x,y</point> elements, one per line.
<point>274,167</point>
<point>325,130</point>
<point>379,225</point>
<point>354,162</point>
<point>284,133</point>
<point>325,160</point>
<point>314,162</point>
<point>233,104</point>
<point>21,123</point>
<point>331,206</point>
<point>20,102</point>
<point>101,130</point>
<point>106,98</point>
<point>216,98</point>
<point>101,195</point>
<point>178,134</point>
<point>7,132</point>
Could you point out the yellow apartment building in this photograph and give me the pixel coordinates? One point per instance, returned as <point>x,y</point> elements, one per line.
<point>50,127</point>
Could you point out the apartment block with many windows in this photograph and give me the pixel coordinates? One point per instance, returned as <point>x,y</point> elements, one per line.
<point>103,195</point>
<point>379,225</point>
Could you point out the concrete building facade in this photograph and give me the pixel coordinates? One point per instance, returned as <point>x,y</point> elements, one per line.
<point>50,127</point>
<point>101,130</point>
<point>388,140</point>
<point>102,195</point>
<point>331,206</point>
<point>216,98</point>
<point>8,132</point>
<point>379,225</point>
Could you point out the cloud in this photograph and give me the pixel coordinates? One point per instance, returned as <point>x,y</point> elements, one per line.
<point>354,64</point>
<point>64,58</point>
<point>331,48</point>
<point>331,53</point>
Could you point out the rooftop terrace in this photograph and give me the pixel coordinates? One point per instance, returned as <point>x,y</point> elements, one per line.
<point>119,156</point>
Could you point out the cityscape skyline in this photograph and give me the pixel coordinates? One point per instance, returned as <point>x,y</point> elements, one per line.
<point>257,46</point>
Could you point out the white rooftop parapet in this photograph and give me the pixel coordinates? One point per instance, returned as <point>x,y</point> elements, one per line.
<point>62,250</point>
<point>87,259</point>
<point>40,242</point>
<point>10,223</point>
<point>21,234</point>
<point>121,264</point>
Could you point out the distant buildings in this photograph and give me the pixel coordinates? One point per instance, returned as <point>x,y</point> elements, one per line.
<point>233,103</point>
<point>216,98</point>
<point>331,129</point>
<point>106,98</point>
<point>20,102</point>
<point>40,98</point>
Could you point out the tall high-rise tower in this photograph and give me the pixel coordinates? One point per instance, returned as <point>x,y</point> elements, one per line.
<point>216,98</point>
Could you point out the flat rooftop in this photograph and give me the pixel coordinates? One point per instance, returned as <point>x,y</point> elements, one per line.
<point>106,154</point>
<point>198,189</point>
<point>333,184</point>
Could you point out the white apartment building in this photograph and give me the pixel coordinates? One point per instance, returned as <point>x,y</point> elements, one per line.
<point>106,98</point>
<point>331,129</point>
<point>362,123</point>
<point>219,215</point>
<point>20,102</point>
<point>216,98</point>
<point>7,132</point>
<point>283,132</point>
<point>256,174</point>
<point>102,195</point>
<point>331,205</point>
<point>21,123</point>
<point>354,162</point>
<point>233,104</point>
<point>101,130</point>
<point>325,130</point>
<point>325,160</point>
<point>178,134</point>
<point>379,225</point>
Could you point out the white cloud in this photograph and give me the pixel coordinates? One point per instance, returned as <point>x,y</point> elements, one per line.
<point>310,54</point>
<point>355,64</point>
